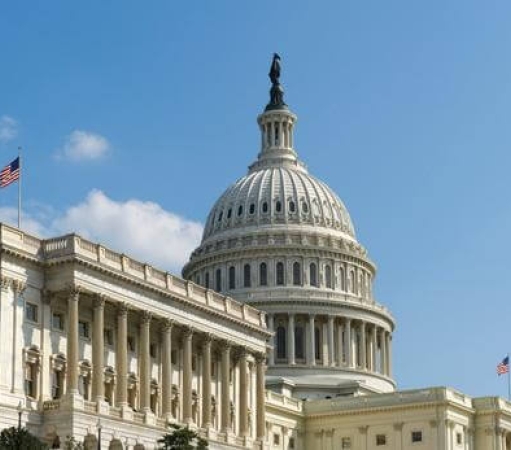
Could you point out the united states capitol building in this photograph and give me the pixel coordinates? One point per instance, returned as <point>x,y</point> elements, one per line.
<point>271,339</point>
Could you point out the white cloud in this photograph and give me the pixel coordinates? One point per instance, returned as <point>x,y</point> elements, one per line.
<point>83,146</point>
<point>8,129</point>
<point>142,230</point>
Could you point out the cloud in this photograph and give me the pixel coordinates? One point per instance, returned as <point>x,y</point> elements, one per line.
<point>141,229</point>
<point>8,129</point>
<point>83,146</point>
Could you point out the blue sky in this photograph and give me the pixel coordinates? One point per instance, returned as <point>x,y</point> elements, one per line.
<point>147,112</point>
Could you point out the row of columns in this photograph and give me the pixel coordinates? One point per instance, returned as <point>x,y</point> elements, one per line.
<point>339,337</point>
<point>121,356</point>
<point>281,129</point>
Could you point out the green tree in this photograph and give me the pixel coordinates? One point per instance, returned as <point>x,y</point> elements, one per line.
<point>72,444</point>
<point>19,439</point>
<point>182,438</point>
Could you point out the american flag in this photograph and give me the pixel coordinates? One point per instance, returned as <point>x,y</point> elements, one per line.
<point>503,367</point>
<point>10,173</point>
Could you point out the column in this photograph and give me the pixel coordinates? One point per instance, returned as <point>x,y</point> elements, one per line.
<point>17,372</point>
<point>347,343</point>
<point>291,339</point>
<point>331,345</point>
<point>206,382</point>
<point>374,347</point>
<point>260,398</point>
<point>121,356</point>
<point>145,363</point>
<point>98,349</point>
<point>340,327</point>
<point>312,343</point>
<point>271,327</point>
<point>72,342</point>
<point>226,397</point>
<point>363,346</point>
<point>187,376</point>
<point>243,399</point>
<point>383,353</point>
<point>166,369</point>
<point>389,354</point>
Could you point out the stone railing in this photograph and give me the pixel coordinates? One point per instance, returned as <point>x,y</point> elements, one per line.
<point>283,401</point>
<point>73,245</point>
<point>51,405</point>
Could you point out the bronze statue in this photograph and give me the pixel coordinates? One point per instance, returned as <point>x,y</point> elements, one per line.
<point>276,91</point>
<point>275,69</point>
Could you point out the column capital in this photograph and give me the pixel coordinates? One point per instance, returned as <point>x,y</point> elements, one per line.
<point>398,426</point>
<point>225,345</point>
<point>187,333</point>
<point>122,309</point>
<point>19,286</point>
<point>260,358</point>
<point>146,317</point>
<point>73,291</point>
<point>167,325</point>
<point>207,339</point>
<point>99,301</point>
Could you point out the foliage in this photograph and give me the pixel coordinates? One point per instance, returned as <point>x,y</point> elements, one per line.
<point>19,439</point>
<point>182,438</point>
<point>72,444</point>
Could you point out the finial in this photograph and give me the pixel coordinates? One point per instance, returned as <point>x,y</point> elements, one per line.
<point>276,91</point>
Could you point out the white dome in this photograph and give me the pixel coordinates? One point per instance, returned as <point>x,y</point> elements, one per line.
<point>279,195</point>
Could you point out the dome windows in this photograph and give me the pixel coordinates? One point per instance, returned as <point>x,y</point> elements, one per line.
<point>297,274</point>
<point>328,277</point>
<point>265,207</point>
<point>232,277</point>
<point>305,207</point>
<point>279,274</point>
<point>263,274</point>
<point>229,213</point>
<point>240,210</point>
<point>251,208</point>
<point>292,206</point>
<point>313,274</point>
<point>247,279</point>
<point>220,216</point>
<point>278,206</point>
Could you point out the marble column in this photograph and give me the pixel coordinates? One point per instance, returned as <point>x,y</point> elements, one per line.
<point>206,382</point>
<point>145,362</point>
<point>271,327</point>
<point>348,348</point>
<point>374,347</point>
<point>98,349</point>
<point>340,344</point>
<point>226,396</point>
<point>312,341</point>
<point>389,354</point>
<point>291,339</point>
<point>166,369</point>
<point>363,346</point>
<point>260,398</point>
<point>72,342</point>
<point>243,394</point>
<point>121,356</point>
<point>383,352</point>
<point>187,376</point>
<point>331,344</point>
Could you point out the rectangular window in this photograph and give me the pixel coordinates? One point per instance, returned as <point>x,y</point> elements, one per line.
<point>30,380</point>
<point>57,321</point>
<point>276,439</point>
<point>31,312</point>
<point>459,438</point>
<point>346,443</point>
<point>56,384</point>
<point>381,439</point>
<point>83,329</point>
<point>108,336</point>
<point>416,436</point>
<point>291,443</point>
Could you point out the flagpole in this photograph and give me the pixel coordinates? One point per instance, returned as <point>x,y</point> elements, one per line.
<point>19,189</point>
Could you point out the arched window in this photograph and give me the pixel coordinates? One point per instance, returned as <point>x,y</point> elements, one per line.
<point>292,206</point>
<point>299,342</point>
<point>342,279</point>
<point>246,276</point>
<point>280,274</point>
<point>352,282</point>
<point>313,272</point>
<point>251,209</point>
<point>281,342</point>
<point>265,207</point>
<point>206,281</point>
<point>305,207</point>
<point>328,277</point>
<point>221,215</point>
<point>263,274</point>
<point>317,343</point>
<point>232,277</point>
<point>229,213</point>
<point>218,280</point>
<point>240,210</point>
<point>278,206</point>
<point>297,274</point>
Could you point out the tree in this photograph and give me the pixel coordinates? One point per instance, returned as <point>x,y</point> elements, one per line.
<point>19,439</point>
<point>72,444</point>
<point>182,438</point>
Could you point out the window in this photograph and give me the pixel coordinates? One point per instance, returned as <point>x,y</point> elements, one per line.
<point>240,210</point>
<point>218,280</point>
<point>346,443</point>
<point>297,275</point>
<point>281,342</point>
<point>291,443</point>
<point>317,343</point>
<point>206,280</point>
<point>416,436</point>
<point>265,207</point>
<point>173,356</point>
<point>152,350</point>
<point>83,329</point>
<point>229,213</point>
<point>31,312</point>
<point>299,341</point>
<point>220,216</point>
<point>263,274</point>
<point>342,279</point>
<point>313,272</point>
<point>280,274</point>
<point>459,438</point>
<point>328,277</point>
<point>246,276</point>
<point>276,439</point>
<point>56,384</point>
<point>108,336</point>
<point>305,207</point>
<point>32,361</point>
<point>278,206</point>
<point>251,209</point>
<point>57,321</point>
<point>232,277</point>
<point>83,386</point>
<point>381,439</point>
<point>292,207</point>
<point>352,281</point>
<point>131,344</point>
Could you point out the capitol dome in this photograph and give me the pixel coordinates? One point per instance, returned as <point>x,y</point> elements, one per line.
<point>282,241</point>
